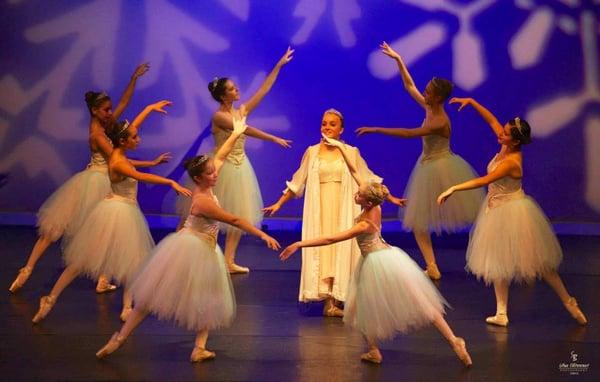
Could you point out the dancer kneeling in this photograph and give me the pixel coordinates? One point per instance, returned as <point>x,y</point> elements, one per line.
<point>388,293</point>
<point>186,279</point>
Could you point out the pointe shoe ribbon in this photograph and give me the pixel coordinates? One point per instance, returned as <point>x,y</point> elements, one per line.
<point>113,344</point>
<point>575,311</point>
<point>46,305</point>
<point>21,279</point>
<point>460,348</point>
<point>200,354</point>
<point>500,319</point>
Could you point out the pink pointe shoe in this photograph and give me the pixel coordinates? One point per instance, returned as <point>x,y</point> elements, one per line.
<point>21,279</point>
<point>104,286</point>
<point>111,346</point>
<point>234,269</point>
<point>500,319</point>
<point>200,354</point>
<point>576,313</point>
<point>372,356</point>
<point>460,348</point>
<point>46,305</point>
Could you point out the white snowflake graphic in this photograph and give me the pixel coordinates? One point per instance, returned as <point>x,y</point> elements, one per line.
<point>559,112</point>
<point>469,69</point>
<point>343,13</point>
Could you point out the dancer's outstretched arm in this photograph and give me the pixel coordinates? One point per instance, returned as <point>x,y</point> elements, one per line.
<point>269,81</point>
<point>124,168</point>
<point>357,229</point>
<point>399,131</point>
<point>483,112</point>
<point>211,210</point>
<point>158,107</point>
<point>126,97</point>
<point>295,187</point>
<point>259,134</point>
<point>239,126</point>
<point>409,84</point>
<point>162,158</point>
<point>504,168</point>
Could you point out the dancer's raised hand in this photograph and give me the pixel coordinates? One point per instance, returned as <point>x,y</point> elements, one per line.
<point>162,158</point>
<point>389,51</point>
<point>239,125</point>
<point>160,106</point>
<point>287,57</point>
<point>140,70</point>
<point>462,101</point>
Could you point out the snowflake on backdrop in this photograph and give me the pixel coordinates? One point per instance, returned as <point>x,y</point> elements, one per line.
<point>343,12</point>
<point>469,69</point>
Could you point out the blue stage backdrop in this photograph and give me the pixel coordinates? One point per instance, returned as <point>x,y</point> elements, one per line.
<point>529,58</point>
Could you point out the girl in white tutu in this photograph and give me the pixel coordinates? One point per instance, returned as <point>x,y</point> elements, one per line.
<point>388,293</point>
<point>114,239</point>
<point>67,208</point>
<point>237,172</point>
<point>186,279</point>
<point>512,239</point>
<point>437,169</point>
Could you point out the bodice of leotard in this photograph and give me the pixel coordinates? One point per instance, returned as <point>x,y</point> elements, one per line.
<point>237,154</point>
<point>434,146</point>
<point>331,171</point>
<point>97,160</point>
<point>503,189</point>
<point>126,189</point>
<point>370,242</point>
<point>205,228</point>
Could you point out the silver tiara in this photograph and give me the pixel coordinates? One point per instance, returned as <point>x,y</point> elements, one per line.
<point>101,95</point>
<point>201,159</point>
<point>334,111</point>
<point>518,124</point>
<point>125,127</point>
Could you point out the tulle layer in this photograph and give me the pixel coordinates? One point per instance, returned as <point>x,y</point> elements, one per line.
<point>238,192</point>
<point>113,241</point>
<point>390,293</point>
<point>185,280</point>
<point>513,241</point>
<point>427,181</point>
<point>66,209</point>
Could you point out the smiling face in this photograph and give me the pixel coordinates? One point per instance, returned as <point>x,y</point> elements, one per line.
<point>331,126</point>
<point>208,177</point>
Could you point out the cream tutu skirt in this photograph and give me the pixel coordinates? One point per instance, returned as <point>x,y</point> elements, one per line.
<point>428,180</point>
<point>389,293</point>
<point>64,212</point>
<point>238,192</point>
<point>113,241</point>
<point>186,280</point>
<point>512,242</point>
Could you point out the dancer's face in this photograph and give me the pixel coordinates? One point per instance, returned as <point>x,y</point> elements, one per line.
<point>505,138</point>
<point>133,139</point>
<point>103,112</point>
<point>208,178</point>
<point>232,93</point>
<point>331,126</point>
<point>431,98</point>
<point>359,197</point>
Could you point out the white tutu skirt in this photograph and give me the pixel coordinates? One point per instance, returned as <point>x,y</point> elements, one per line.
<point>113,241</point>
<point>390,293</point>
<point>514,242</point>
<point>238,192</point>
<point>185,280</point>
<point>427,181</point>
<point>64,212</point>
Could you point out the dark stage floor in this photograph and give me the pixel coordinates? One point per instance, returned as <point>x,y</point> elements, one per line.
<point>273,339</point>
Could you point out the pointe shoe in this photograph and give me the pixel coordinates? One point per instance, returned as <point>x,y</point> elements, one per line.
<point>22,277</point>
<point>104,286</point>
<point>500,319</point>
<point>111,346</point>
<point>125,313</point>
<point>233,268</point>
<point>372,357</point>
<point>333,311</point>
<point>460,348</point>
<point>433,272</point>
<point>576,313</point>
<point>46,305</point>
<point>201,354</point>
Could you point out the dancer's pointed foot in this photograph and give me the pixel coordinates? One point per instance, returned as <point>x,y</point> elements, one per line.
<point>233,268</point>
<point>46,305</point>
<point>200,354</point>
<point>333,311</point>
<point>104,285</point>
<point>125,313</point>
<point>22,277</point>
<point>111,346</point>
<point>372,356</point>
<point>433,272</point>
<point>576,313</point>
<point>460,348</point>
<point>500,319</point>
